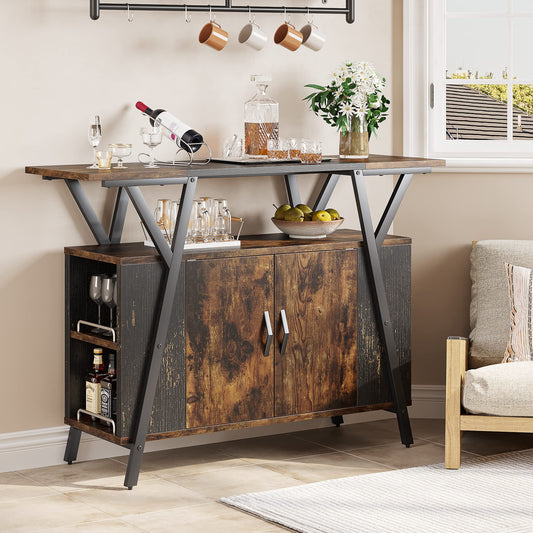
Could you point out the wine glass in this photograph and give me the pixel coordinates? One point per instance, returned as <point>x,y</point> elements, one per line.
<point>151,137</point>
<point>95,135</point>
<point>108,298</point>
<point>95,294</point>
<point>120,151</point>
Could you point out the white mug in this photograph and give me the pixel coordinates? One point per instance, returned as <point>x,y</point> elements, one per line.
<point>312,38</point>
<point>252,36</point>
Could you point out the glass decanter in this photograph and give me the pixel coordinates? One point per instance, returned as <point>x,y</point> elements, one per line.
<point>261,119</point>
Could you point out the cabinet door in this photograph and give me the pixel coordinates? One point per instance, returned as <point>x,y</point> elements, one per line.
<point>229,379</point>
<point>318,291</point>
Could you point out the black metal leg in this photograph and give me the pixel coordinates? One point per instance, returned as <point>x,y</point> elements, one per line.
<point>150,224</point>
<point>325,193</point>
<point>87,211</point>
<point>119,215</point>
<point>337,420</point>
<point>392,207</point>
<point>382,307</point>
<point>73,443</point>
<point>293,193</point>
<point>169,293</point>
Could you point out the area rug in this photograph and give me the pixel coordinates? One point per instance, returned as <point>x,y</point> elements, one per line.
<point>487,494</point>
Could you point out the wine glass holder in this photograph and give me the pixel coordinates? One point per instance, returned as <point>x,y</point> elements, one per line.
<point>96,6</point>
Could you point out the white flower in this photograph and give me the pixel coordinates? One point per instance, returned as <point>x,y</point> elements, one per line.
<point>338,93</point>
<point>347,109</point>
<point>375,105</point>
<point>361,111</point>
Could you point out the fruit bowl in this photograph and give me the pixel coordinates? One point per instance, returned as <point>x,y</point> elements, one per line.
<point>308,229</point>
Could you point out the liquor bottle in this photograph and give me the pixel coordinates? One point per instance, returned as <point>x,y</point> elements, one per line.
<point>176,130</point>
<point>108,393</point>
<point>92,383</point>
<point>261,119</point>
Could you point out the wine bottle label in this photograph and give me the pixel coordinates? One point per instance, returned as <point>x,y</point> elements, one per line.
<point>106,399</point>
<point>173,127</point>
<point>92,397</point>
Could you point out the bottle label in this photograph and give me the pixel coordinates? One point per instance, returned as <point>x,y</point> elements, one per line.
<point>92,397</point>
<point>172,127</point>
<point>106,400</point>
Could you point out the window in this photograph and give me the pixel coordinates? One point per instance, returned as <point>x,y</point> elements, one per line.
<point>474,76</point>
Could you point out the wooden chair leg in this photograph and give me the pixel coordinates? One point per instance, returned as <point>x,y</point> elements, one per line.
<point>456,364</point>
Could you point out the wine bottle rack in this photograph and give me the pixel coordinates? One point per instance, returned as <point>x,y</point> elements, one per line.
<point>349,11</point>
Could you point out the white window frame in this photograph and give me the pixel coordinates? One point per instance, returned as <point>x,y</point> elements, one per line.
<point>422,63</point>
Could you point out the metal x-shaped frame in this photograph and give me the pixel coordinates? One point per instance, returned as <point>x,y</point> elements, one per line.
<point>172,257</point>
<point>373,240</point>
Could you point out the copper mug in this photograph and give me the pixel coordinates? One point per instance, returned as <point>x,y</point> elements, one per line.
<point>213,35</point>
<point>288,36</point>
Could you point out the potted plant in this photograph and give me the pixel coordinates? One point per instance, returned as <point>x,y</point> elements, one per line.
<point>354,104</point>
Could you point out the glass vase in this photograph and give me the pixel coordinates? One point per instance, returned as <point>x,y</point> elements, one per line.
<point>354,143</point>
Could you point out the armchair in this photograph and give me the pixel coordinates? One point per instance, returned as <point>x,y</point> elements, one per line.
<point>482,393</point>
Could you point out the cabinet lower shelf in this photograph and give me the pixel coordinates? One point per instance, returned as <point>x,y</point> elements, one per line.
<point>103,432</point>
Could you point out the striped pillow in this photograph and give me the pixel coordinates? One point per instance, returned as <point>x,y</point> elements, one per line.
<point>520,285</point>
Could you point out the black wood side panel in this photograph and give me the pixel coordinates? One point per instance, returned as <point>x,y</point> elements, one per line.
<point>78,306</point>
<point>139,291</point>
<point>372,381</point>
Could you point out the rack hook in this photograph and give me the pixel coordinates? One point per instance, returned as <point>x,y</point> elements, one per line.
<point>211,16</point>
<point>251,19</point>
<point>285,18</point>
<point>309,18</point>
<point>187,15</point>
<point>130,15</point>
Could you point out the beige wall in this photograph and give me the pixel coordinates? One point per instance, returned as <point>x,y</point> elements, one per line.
<point>60,68</point>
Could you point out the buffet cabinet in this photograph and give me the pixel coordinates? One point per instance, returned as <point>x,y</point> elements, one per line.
<point>277,330</point>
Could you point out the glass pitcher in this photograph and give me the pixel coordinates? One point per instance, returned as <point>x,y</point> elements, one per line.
<point>261,119</point>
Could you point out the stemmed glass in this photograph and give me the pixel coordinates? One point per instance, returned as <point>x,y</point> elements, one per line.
<point>95,135</point>
<point>120,151</point>
<point>151,137</point>
<point>108,298</point>
<point>95,294</point>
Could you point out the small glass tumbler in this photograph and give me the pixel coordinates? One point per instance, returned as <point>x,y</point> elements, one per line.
<point>103,159</point>
<point>294,148</point>
<point>277,149</point>
<point>310,152</point>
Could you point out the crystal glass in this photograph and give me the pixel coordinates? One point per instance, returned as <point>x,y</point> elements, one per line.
<point>294,148</point>
<point>108,298</point>
<point>163,217</point>
<point>103,157</point>
<point>277,149</point>
<point>310,152</point>
<point>95,294</point>
<point>174,210</point>
<point>152,137</point>
<point>120,151</point>
<point>95,136</point>
<point>222,222</point>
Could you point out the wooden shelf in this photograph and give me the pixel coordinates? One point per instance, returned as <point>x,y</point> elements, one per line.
<point>94,339</point>
<point>99,430</point>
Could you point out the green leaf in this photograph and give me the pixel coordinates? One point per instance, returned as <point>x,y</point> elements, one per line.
<point>313,86</point>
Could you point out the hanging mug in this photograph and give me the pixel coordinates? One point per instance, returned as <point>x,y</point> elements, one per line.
<point>312,38</point>
<point>288,36</point>
<point>213,35</point>
<point>252,36</point>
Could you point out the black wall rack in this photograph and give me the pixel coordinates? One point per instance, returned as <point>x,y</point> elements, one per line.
<point>349,11</point>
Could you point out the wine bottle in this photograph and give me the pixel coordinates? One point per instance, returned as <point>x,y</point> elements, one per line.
<point>92,383</point>
<point>176,130</point>
<point>108,390</point>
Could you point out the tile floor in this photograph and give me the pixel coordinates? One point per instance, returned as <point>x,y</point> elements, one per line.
<point>178,489</point>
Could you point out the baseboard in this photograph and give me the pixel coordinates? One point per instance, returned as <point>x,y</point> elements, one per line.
<point>45,447</point>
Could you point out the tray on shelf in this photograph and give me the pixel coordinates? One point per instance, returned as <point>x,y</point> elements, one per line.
<point>258,161</point>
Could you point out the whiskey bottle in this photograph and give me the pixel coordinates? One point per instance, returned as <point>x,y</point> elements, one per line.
<point>92,383</point>
<point>108,390</point>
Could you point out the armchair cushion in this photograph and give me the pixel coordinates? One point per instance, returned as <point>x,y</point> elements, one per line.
<point>500,390</point>
<point>489,307</point>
